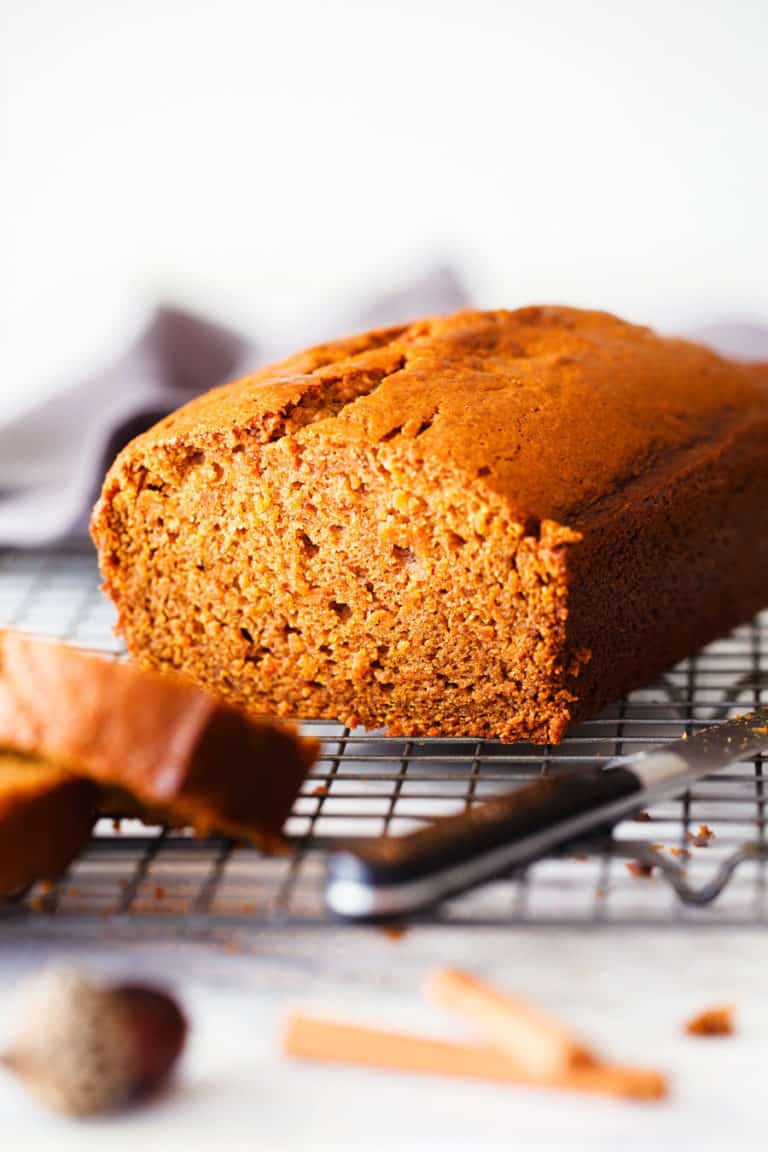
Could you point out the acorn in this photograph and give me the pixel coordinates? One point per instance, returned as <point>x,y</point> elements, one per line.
<point>85,1048</point>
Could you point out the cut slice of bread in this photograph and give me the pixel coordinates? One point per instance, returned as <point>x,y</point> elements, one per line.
<point>172,746</point>
<point>46,815</point>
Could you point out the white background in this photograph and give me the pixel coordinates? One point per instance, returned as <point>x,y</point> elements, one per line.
<point>263,162</point>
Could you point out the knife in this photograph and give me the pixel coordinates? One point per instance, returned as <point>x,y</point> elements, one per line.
<point>369,879</point>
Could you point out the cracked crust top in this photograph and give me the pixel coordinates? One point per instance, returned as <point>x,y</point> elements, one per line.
<point>557,409</point>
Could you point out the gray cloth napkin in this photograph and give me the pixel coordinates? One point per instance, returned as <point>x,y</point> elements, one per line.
<point>53,458</point>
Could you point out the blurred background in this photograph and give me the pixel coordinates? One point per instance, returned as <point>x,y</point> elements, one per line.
<point>273,166</point>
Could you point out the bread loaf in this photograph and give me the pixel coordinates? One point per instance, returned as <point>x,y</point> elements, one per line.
<point>483,525</point>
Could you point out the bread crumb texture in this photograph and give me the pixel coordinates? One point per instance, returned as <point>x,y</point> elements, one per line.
<point>481,525</point>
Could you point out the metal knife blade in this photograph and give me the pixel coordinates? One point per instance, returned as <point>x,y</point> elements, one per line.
<point>393,876</point>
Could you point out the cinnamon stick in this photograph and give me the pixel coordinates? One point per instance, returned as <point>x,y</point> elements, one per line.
<point>540,1045</point>
<point>309,1038</point>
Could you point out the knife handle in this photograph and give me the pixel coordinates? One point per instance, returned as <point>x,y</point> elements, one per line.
<point>394,875</point>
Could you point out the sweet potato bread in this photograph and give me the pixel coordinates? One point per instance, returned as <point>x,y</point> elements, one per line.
<point>179,751</point>
<point>487,524</point>
<point>46,816</point>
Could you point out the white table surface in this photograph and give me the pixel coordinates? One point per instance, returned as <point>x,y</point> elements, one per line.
<point>627,992</point>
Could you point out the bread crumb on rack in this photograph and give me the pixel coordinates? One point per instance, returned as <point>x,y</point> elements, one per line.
<point>703,838</point>
<point>683,853</point>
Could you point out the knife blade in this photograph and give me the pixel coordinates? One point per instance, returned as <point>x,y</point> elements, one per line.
<point>369,879</point>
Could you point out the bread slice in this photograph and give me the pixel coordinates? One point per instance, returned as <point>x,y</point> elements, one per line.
<point>46,815</point>
<point>174,747</point>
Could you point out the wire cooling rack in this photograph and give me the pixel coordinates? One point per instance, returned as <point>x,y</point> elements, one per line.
<point>369,784</point>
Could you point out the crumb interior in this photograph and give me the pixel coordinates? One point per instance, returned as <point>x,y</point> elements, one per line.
<point>320,578</point>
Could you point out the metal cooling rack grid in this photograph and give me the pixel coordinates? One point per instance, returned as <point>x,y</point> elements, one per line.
<point>366,784</point>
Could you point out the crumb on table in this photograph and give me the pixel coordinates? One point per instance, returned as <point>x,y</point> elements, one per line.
<point>716,1021</point>
<point>394,931</point>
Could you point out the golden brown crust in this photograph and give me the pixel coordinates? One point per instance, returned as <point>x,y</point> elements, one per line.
<point>582,404</point>
<point>46,815</point>
<point>165,741</point>
<point>419,528</point>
